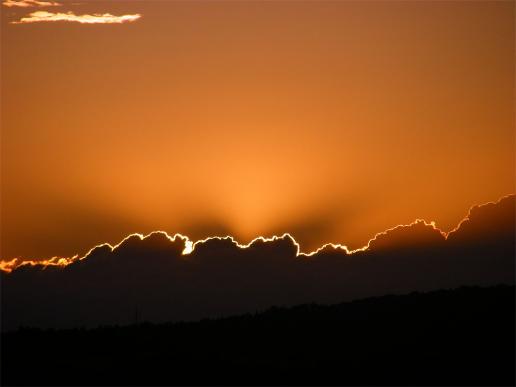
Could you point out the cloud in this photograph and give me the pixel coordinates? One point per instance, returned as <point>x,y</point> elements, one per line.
<point>172,278</point>
<point>30,3</point>
<point>105,18</point>
<point>8,266</point>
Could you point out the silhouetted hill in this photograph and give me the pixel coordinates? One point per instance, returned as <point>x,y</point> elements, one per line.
<point>220,278</point>
<point>464,336</point>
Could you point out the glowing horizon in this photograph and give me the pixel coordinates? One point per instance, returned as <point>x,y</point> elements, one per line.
<point>325,120</point>
<point>12,264</point>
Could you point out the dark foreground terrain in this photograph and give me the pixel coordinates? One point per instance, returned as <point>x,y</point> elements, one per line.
<point>451,337</point>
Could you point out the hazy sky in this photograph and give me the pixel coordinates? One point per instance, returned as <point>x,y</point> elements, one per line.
<point>328,120</point>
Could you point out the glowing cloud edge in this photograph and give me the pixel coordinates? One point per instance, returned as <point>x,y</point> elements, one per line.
<point>10,265</point>
<point>30,3</point>
<point>96,18</point>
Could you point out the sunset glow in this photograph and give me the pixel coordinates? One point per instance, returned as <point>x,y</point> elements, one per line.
<point>257,192</point>
<point>8,266</point>
<point>249,118</point>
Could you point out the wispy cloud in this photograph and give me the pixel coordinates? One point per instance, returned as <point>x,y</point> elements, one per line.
<point>30,3</point>
<point>96,18</point>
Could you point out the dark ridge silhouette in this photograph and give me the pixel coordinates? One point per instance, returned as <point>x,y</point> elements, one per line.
<point>464,336</point>
<point>220,278</point>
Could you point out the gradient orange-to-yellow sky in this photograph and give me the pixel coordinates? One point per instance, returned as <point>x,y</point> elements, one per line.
<point>331,121</point>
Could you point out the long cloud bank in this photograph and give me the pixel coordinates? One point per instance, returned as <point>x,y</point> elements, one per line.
<point>163,278</point>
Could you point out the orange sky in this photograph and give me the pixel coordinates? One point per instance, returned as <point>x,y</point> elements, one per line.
<point>328,120</point>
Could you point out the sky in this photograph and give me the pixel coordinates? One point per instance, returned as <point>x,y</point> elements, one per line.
<point>328,120</point>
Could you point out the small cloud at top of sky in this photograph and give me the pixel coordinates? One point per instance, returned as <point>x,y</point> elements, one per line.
<point>30,3</point>
<point>97,18</point>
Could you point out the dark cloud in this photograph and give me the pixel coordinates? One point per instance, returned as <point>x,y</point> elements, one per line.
<point>311,230</point>
<point>221,277</point>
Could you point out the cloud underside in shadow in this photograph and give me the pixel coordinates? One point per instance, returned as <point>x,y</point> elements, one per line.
<point>30,3</point>
<point>220,277</point>
<point>105,18</point>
